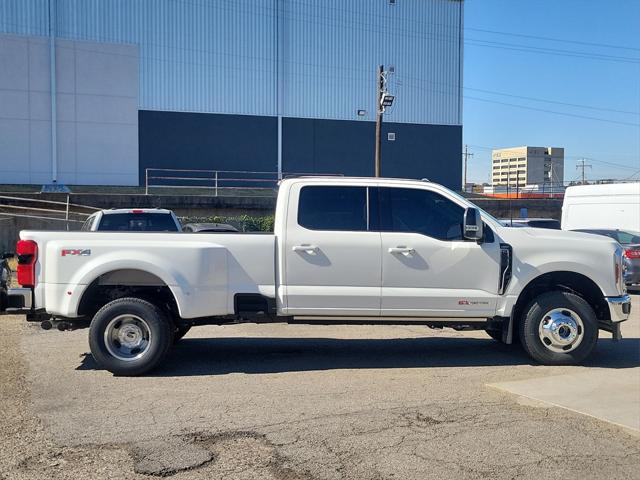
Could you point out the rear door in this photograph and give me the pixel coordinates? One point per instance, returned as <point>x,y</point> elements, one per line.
<point>332,260</point>
<point>428,269</point>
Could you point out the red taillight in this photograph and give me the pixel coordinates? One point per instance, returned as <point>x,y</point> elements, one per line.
<point>27,251</point>
<point>137,211</point>
<point>632,254</point>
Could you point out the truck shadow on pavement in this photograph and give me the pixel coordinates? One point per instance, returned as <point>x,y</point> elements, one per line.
<point>255,355</point>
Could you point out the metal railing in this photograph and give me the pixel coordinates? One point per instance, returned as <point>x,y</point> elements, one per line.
<point>20,207</point>
<point>218,181</point>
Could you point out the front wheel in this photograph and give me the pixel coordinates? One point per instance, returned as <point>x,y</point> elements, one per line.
<point>559,328</point>
<point>130,336</point>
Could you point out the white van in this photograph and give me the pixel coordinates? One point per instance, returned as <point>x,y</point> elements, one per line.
<point>612,205</point>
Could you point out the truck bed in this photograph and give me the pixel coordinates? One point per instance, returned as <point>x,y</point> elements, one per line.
<point>203,271</point>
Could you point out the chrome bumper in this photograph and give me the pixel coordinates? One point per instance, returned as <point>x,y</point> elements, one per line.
<point>619,308</point>
<point>15,300</point>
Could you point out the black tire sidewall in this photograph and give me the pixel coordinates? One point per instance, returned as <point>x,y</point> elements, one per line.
<point>535,312</point>
<point>159,326</point>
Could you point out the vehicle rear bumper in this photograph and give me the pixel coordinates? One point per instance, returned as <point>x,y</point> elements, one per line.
<point>16,301</point>
<point>619,308</point>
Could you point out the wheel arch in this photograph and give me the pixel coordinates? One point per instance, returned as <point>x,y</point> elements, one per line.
<point>126,282</point>
<point>571,282</point>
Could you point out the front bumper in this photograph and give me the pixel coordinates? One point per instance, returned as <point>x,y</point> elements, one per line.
<point>619,308</point>
<point>15,301</point>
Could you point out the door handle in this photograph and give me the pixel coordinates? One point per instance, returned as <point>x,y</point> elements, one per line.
<point>403,250</point>
<point>305,248</point>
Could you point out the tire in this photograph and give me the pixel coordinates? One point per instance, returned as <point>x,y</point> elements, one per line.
<point>559,328</point>
<point>130,336</point>
<point>180,332</point>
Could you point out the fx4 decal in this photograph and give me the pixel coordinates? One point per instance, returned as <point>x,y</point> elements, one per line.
<point>77,252</point>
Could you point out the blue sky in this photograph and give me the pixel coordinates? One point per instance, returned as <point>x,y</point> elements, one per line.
<point>495,63</point>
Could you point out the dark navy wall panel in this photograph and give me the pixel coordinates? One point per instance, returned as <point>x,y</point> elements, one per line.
<point>423,151</point>
<point>207,141</point>
<point>241,142</point>
<point>327,146</point>
<point>347,147</point>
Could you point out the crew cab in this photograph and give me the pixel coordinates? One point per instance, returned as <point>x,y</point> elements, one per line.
<point>344,250</point>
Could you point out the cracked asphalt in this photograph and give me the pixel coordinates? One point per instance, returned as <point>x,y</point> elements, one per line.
<point>303,402</point>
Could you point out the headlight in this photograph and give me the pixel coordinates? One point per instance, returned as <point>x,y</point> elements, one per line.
<point>619,271</point>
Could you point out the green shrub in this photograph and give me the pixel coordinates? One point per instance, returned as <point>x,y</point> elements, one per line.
<point>244,223</point>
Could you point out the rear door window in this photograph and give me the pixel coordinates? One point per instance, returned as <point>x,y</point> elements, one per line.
<point>333,208</point>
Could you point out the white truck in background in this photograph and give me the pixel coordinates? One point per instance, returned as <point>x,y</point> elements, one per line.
<point>605,206</point>
<point>344,250</point>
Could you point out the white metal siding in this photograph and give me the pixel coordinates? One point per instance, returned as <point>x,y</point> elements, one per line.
<point>221,56</point>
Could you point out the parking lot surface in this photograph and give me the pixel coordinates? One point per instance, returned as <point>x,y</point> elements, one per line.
<point>293,402</point>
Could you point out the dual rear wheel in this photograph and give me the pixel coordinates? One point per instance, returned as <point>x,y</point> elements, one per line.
<point>130,336</point>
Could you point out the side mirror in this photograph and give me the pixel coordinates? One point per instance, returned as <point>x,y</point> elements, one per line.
<point>472,225</point>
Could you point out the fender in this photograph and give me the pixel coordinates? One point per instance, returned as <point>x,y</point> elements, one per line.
<point>193,295</point>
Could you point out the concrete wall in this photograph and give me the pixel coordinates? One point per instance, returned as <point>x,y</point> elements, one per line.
<point>97,112</point>
<point>10,228</point>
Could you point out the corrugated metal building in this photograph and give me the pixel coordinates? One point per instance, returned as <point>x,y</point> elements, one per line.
<point>204,84</point>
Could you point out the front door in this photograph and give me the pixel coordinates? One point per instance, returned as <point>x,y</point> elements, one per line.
<point>332,260</point>
<point>428,269</point>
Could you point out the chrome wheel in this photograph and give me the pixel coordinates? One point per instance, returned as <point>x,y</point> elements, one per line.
<point>561,330</point>
<point>127,337</point>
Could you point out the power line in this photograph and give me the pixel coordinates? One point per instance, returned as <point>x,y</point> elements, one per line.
<point>612,164</point>
<point>553,111</point>
<point>551,39</point>
<point>577,105</point>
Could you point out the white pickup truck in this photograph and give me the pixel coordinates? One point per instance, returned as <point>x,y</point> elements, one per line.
<point>345,250</point>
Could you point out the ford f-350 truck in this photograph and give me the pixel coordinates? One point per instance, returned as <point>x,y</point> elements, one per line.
<point>344,250</point>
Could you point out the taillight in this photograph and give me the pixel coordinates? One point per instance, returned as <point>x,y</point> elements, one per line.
<point>27,251</point>
<point>632,254</point>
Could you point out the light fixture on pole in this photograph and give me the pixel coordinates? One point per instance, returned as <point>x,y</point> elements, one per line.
<point>386,100</point>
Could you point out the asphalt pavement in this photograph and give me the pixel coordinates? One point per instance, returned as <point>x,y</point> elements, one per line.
<point>327,402</point>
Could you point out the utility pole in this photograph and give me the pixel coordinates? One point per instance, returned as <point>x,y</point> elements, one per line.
<point>582,165</point>
<point>466,155</point>
<point>383,100</point>
<point>379,111</point>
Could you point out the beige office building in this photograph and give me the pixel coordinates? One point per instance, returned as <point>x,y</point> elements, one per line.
<point>518,167</point>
